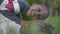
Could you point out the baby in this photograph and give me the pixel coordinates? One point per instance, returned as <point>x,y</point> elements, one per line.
<point>37,13</point>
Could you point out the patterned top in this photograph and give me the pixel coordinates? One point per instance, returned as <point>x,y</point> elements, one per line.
<point>13,16</point>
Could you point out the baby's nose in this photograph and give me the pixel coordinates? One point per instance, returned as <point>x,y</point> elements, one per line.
<point>37,14</point>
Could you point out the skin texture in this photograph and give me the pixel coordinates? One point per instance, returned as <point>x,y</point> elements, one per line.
<point>37,12</point>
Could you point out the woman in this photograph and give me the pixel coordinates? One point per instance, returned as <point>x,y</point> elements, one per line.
<point>9,18</point>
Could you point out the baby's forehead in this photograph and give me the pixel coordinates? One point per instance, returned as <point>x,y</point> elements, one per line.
<point>41,7</point>
<point>37,7</point>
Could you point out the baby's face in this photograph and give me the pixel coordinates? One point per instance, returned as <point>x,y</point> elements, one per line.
<point>37,12</point>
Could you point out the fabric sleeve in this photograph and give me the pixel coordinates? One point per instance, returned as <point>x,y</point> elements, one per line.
<point>10,16</point>
<point>24,7</point>
<point>1,1</point>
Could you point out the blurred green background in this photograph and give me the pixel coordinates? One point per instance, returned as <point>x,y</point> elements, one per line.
<point>53,7</point>
<point>54,21</point>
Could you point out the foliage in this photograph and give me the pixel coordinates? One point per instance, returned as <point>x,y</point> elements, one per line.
<point>33,1</point>
<point>57,3</point>
<point>54,21</point>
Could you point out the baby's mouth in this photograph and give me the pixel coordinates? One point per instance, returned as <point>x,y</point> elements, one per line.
<point>37,16</point>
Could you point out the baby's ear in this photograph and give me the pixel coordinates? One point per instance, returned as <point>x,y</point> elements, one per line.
<point>34,4</point>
